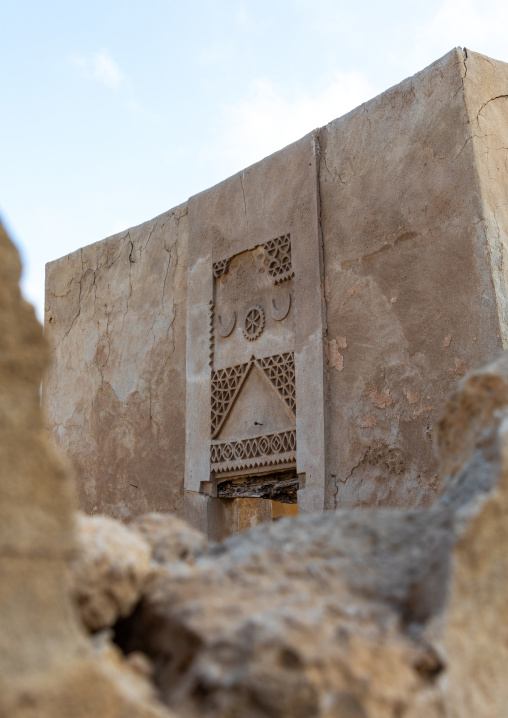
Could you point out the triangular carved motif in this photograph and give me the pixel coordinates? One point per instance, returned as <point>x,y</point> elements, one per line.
<point>280,369</point>
<point>226,384</point>
<point>258,408</point>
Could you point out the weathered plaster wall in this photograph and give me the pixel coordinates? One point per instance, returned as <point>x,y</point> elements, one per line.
<point>275,197</point>
<point>411,305</point>
<point>486,93</point>
<point>115,398</point>
<point>398,219</point>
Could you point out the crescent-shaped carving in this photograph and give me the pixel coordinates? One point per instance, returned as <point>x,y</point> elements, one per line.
<point>224,330</point>
<point>281,313</point>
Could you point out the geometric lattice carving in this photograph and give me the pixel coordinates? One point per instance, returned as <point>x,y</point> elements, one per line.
<point>279,258</point>
<point>225,386</point>
<point>220,268</point>
<point>254,323</point>
<point>280,369</point>
<point>226,383</point>
<point>260,446</point>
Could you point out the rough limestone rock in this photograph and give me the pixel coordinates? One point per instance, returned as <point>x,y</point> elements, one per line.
<point>109,570</point>
<point>473,440</point>
<point>48,668</point>
<point>359,614</point>
<point>113,562</point>
<point>303,618</point>
<point>170,538</point>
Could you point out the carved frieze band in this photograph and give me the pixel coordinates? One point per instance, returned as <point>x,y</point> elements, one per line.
<point>226,384</point>
<point>254,322</point>
<point>250,453</point>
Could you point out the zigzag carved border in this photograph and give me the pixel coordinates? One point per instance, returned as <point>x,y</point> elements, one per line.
<point>267,450</point>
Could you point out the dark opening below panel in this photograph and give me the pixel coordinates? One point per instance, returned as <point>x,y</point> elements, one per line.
<point>279,486</point>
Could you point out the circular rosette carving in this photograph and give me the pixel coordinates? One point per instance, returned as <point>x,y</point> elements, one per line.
<point>254,323</point>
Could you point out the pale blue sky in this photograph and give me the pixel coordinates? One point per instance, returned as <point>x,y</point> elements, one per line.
<point>114,111</point>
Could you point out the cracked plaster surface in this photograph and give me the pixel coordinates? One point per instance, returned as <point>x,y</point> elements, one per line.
<point>48,666</point>
<point>403,218</point>
<point>486,95</point>
<point>115,317</point>
<point>412,211</point>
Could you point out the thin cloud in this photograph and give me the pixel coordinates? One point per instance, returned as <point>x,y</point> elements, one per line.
<point>216,53</point>
<point>176,155</point>
<point>267,119</point>
<point>138,109</point>
<point>106,70</point>
<point>330,18</point>
<point>118,226</point>
<point>101,67</point>
<point>242,16</point>
<point>475,24</point>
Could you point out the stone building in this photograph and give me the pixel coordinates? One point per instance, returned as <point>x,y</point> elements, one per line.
<point>292,333</point>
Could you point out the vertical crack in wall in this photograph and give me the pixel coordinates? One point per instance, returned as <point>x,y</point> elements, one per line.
<point>244,200</point>
<point>481,151</point>
<point>320,146</point>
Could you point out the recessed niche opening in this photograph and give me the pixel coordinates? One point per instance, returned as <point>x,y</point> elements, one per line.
<point>262,498</point>
<point>280,510</point>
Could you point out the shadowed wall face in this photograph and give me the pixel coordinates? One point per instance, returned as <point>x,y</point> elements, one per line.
<point>307,315</point>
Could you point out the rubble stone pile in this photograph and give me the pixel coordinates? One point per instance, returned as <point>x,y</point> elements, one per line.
<point>374,613</point>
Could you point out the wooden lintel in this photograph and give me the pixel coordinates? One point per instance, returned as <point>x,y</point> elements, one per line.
<point>280,486</point>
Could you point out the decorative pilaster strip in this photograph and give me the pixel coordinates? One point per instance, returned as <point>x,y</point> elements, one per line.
<point>211,332</point>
